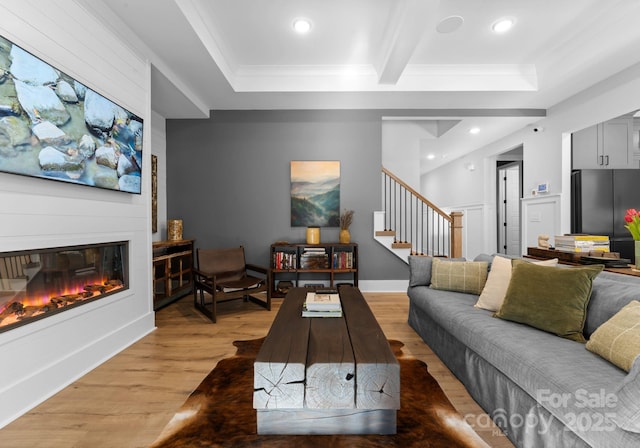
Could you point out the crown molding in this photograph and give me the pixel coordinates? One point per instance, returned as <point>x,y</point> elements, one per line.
<point>364,78</point>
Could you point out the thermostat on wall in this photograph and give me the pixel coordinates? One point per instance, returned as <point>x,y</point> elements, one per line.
<point>542,188</point>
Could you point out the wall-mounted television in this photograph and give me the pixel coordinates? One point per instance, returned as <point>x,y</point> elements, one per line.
<point>54,127</point>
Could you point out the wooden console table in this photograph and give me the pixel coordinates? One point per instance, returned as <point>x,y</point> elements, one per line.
<point>172,271</point>
<point>326,375</point>
<point>572,258</point>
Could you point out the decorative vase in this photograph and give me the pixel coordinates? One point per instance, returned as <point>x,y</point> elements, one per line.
<point>174,230</point>
<point>345,236</point>
<point>313,235</point>
<point>637,254</point>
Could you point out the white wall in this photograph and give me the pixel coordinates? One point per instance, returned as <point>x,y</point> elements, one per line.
<point>454,188</point>
<point>545,158</point>
<point>401,150</point>
<point>40,358</point>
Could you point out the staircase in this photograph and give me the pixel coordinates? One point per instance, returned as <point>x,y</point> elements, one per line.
<point>411,225</point>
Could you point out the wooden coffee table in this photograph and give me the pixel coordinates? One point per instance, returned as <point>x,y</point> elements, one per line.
<point>326,375</point>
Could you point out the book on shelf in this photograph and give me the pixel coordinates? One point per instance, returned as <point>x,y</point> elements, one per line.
<point>584,246</point>
<point>579,242</point>
<point>314,250</point>
<point>579,250</point>
<point>581,237</point>
<point>343,260</point>
<point>323,300</point>
<point>325,313</point>
<point>284,260</point>
<point>314,261</point>
<point>327,290</point>
<point>582,243</point>
<point>313,255</point>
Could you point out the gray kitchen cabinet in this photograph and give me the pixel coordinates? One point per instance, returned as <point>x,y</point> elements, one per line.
<point>607,145</point>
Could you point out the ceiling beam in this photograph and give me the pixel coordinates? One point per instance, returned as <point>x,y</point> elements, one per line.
<point>171,78</point>
<point>405,28</point>
<point>194,12</point>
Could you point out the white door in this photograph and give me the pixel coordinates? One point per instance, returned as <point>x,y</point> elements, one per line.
<point>509,194</point>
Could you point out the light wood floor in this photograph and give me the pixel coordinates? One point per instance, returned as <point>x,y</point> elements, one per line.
<point>127,401</point>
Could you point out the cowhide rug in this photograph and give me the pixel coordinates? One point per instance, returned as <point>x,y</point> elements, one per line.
<point>219,412</point>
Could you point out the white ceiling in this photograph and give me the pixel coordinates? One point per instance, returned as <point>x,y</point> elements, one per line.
<point>379,54</point>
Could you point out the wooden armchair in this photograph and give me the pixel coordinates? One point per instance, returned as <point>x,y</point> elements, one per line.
<point>223,274</point>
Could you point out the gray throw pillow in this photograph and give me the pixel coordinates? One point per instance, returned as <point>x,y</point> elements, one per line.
<point>607,298</point>
<point>419,271</point>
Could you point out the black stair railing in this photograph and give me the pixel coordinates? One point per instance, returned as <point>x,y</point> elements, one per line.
<point>417,223</point>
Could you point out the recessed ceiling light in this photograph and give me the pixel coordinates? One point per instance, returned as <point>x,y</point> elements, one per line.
<point>301,26</point>
<point>503,25</point>
<point>431,156</point>
<point>474,130</point>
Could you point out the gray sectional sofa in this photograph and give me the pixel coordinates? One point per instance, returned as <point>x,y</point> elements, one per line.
<point>541,389</point>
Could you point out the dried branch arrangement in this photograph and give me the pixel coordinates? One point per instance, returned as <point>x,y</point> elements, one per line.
<point>346,219</point>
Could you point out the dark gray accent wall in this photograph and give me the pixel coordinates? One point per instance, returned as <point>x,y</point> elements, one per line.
<point>228,179</point>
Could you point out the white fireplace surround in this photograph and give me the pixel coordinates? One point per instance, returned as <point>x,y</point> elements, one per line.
<point>42,357</point>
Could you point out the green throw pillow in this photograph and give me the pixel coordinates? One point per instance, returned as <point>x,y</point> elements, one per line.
<point>552,299</point>
<point>461,276</point>
<point>618,339</point>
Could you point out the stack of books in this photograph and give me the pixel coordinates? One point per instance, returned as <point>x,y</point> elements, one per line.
<point>582,243</point>
<point>314,258</point>
<point>322,303</point>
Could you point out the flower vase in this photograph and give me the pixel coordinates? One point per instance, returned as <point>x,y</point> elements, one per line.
<point>637,254</point>
<point>345,236</point>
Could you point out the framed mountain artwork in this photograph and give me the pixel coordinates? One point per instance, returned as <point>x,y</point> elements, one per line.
<point>315,193</point>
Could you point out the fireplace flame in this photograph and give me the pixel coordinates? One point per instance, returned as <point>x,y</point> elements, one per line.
<point>73,288</point>
<point>25,305</point>
<point>40,282</point>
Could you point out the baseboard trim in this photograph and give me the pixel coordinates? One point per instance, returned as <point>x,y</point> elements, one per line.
<point>383,285</point>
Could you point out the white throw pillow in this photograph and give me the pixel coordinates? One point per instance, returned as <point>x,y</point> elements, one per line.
<point>497,283</point>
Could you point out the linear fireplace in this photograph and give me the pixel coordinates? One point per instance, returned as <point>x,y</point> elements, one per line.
<point>35,284</point>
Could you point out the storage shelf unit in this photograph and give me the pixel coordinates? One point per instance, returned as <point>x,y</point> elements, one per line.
<point>172,271</point>
<point>313,263</point>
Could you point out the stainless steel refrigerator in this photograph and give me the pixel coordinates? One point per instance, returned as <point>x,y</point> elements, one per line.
<point>599,201</point>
